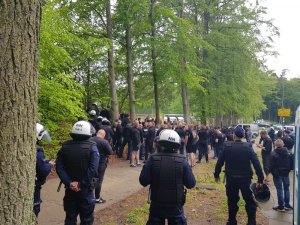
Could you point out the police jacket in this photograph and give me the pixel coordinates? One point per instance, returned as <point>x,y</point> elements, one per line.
<point>77,161</point>
<point>103,147</point>
<point>43,168</point>
<point>238,157</point>
<point>167,174</point>
<point>127,132</point>
<point>280,162</point>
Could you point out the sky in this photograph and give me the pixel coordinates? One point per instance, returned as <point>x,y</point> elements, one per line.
<point>286,17</point>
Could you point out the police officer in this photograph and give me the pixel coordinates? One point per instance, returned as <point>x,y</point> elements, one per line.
<point>105,150</point>
<point>43,167</point>
<point>76,165</point>
<point>167,172</point>
<point>238,157</point>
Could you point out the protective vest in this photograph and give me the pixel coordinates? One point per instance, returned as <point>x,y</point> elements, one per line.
<point>237,158</point>
<point>76,158</point>
<point>167,179</point>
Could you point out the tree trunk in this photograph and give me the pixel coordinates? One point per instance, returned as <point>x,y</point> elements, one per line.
<point>130,73</point>
<point>184,87</point>
<point>19,45</point>
<point>153,59</point>
<point>111,69</point>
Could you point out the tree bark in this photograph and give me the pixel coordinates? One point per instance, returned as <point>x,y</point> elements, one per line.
<point>19,45</point>
<point>111,66</point>
<point>153,60</point>
<point>184,87</point>
<point>130,73</point>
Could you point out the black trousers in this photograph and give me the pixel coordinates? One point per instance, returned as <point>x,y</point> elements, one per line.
<point>81,203</point>
<point>203,151</point>
<point>101,171</point>
<point>266,163</point>
<point>233,186</point>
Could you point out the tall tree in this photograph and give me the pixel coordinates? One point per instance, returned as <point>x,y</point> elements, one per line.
<point>111,64</point>
<point>19,32</point>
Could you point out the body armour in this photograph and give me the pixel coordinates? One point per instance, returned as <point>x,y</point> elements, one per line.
<point>167,179</point>
<point>237,158</point>
<point>76,158</point>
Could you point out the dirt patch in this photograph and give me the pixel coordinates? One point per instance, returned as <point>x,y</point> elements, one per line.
<point>206,204</point>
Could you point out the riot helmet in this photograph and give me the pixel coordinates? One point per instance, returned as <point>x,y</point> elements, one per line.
<point>41,133</point>
<point>261,194</point>
<point>81,130</point>
<point>169,141</point>
<point>92,113</point>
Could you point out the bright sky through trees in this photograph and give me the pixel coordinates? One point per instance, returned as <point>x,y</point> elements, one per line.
<point>286,18</point>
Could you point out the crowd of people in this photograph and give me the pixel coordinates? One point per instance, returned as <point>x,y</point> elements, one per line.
<point>82,161</point>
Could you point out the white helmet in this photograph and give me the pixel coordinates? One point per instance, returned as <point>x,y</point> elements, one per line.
<point>41,132</point>
<point>82,128</point>
<point>169,136</point>
<point>93,113</point>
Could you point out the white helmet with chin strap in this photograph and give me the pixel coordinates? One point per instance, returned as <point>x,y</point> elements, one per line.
<point>169,139</point>
<point>41,133</point>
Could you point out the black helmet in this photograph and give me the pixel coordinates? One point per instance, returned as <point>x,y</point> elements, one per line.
<point>261,194</point>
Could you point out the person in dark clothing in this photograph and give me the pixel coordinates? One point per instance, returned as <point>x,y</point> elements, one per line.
<point>288,141</point>
<point>191,139</point>
<point>106,113</point>
<point>109,133</point>
<point>180,131</point>
<point>167,173</point>
<point>271,133</point>
<point>149,139</point>
<point>135,141</point>
<point>93,119</point>
<point>219,141</point>
<point>105,150</point>
<point>43,167</point>
<point>163,126</point>
<point>266,151</point>
<point>203,144</point>
<point>95,106</point>
<point>76,165</point>
<point>118,136</point>
<point>127,136</point>
<point>280,167</point>
<point>238,157</point>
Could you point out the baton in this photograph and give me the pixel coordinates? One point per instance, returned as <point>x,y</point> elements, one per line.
<point>59,186</point>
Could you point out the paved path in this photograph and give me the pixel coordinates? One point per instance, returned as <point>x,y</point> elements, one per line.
<point>277,218</point>
<point>120,182</point>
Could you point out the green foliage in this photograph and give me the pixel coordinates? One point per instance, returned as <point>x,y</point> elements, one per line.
<point>60,100</point>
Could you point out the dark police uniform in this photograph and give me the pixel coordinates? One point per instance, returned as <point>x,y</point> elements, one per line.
<point>78,161</point>
<point>167,174</point>
<point>105,150</point>
<point>43,168</point>
<point>238,157</point>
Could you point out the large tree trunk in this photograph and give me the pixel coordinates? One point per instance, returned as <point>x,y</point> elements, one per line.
<point>130,73</point>
<point>153,60</point>
<point>111,66</point>
<point>19,44</point>
<point>184,87</point>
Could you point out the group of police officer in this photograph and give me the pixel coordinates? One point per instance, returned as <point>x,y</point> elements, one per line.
<point>81,163</point>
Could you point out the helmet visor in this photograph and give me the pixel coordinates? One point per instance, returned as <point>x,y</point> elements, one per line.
<point>46,136</point>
